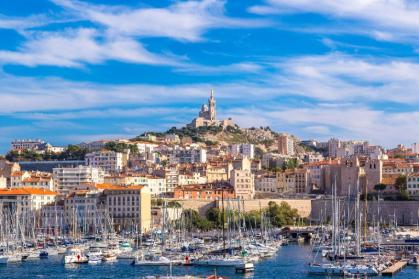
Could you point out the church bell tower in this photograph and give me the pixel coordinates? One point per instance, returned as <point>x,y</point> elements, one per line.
<point>211,106</point>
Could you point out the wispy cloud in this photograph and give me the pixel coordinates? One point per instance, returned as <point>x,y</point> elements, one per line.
<point>385,20</point>
<point>185,20</point>
<point>73,48</point>
<point>377,126</point>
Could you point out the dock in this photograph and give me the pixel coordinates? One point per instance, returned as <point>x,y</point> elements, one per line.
<point>394,268</point>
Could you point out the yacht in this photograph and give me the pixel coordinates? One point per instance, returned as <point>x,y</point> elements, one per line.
<point>3,259</point>
<point>75,255</point>
<point>219,261</point>
<point>152,260</point>
<point>109,256</point>
<point>94,255</point>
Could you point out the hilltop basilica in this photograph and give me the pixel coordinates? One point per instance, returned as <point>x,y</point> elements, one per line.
<point>208,116</point>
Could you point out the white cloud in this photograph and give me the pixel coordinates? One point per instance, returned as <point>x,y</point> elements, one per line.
<point>186,20</point>
<point>338,77</point>
<point>377,126</point>
<point>387,19</point>
<point>73,48</point>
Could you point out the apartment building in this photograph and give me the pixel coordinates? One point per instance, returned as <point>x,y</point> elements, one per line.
<point>109,161</point>
<point>206,191</point>
<point>157,185</point>
<point>25,200</point>
<point>243,183</point>
<point>266,183</point>
<point>32,179</point>
<point>285,145</point>
<point>67,180</point>
<point>129,207</point>
<point>244,149</point>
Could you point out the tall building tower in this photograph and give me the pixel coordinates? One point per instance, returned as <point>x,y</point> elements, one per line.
<point>211,106</point>
<point>285,145</point>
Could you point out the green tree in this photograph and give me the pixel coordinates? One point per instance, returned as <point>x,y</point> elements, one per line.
<point>121,147</point>
<point>380,187</point>
<point>215,216</point>
<point>401,185</point>
<point>282,214</point>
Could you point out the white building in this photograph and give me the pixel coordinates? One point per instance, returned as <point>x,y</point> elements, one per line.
<point>3,182</point>
<point>191,178</point>
<point>25,199</point>
<point>33,179</point>
<point>190,155</point>
<point>28,144</point>
<point>413,184</point>
<point>94,145</point>
<point>243,182</point>
<point>245,149</point>
<point>312,158</point>
<point>157,185</point>
<point>266,184</point>
<point>71,179</point>
<point>415,147</point>
<point>333,145</point>
<point>109,161</point>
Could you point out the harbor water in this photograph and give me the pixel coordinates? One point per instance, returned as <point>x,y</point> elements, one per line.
<point>290,262</point>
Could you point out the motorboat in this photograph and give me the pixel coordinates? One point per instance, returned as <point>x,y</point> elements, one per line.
<point>219,261</point>
<point>152,260</point>
<point>75,255</point>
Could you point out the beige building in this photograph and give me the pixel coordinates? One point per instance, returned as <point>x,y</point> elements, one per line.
<point>191,178</point>
<point>243,183</point>
<point>109,161</point>
<point>208,116</point>
<point>285,145</point>
<point>157,185</point>
<point>129,207</point>
<point>32,179</point>
<point>26,199</point>
<point>266,183</point>
<point>218,171</point>
<point>352,170</point>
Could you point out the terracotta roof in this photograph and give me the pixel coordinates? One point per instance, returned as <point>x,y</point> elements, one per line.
<point>105,186</point>
<point>17,173</point>
<point>26,191</point>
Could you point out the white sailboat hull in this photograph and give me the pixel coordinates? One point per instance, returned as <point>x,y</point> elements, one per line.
<point>220,262</point>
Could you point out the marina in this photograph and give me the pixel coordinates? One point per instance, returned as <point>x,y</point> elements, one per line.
<point>290,262</point>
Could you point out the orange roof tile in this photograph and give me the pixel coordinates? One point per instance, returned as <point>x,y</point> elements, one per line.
<point>105,186</point>
<point>26,191</point>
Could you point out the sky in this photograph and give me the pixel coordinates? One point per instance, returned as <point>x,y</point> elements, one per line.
<point>73,71</point>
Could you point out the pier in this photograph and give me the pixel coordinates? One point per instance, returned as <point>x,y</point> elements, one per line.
<point>394,268</point>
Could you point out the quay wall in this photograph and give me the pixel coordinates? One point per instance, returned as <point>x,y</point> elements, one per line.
<point>402,212</point>
<point>302,205</point>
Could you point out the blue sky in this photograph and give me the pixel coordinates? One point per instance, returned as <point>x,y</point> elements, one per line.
<point>73,71</point>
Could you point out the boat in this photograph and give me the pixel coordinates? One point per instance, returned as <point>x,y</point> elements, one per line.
<point>152,260</point>
<point>109,256</point>
<point>414,261</point>
<point>95,258</point>
<point>219,261</point>
<point>75,255</point>
<point>246,267</point>
<point>367,270</point>
<point>3,259</point>
<point>43,255</point>
<point>14,258</point>
<point>325,269</point>
<point>94,255</point>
